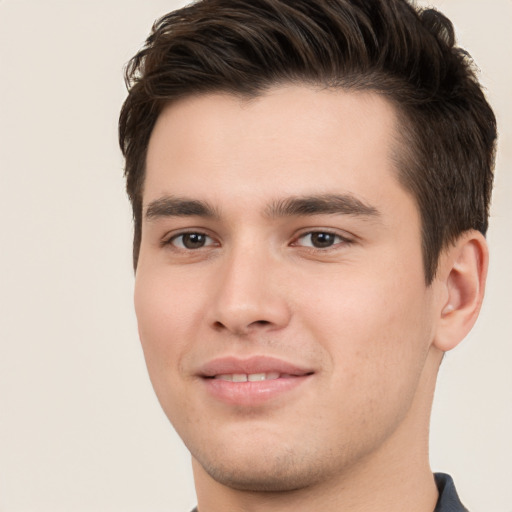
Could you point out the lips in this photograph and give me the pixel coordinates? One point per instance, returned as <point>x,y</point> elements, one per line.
<point>251,377</point>
<point>253,381</point>
<point>251,366</point>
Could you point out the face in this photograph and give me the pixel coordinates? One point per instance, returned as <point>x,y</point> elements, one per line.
<point>280,292</point>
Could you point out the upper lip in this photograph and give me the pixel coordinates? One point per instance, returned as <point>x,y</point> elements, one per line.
<point>255,364</point>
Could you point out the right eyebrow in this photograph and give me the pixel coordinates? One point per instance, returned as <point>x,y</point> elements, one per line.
<point>170,206</point>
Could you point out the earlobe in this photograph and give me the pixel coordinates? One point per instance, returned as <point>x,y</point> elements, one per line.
<point>463,274</point>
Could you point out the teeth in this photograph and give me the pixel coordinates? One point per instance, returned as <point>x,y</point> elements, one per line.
<point>224,377</point>
<point>252,377</point>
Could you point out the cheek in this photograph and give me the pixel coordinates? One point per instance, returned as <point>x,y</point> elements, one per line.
<point>376,341</point>
<point>165,313</point>
<point>373,327</point>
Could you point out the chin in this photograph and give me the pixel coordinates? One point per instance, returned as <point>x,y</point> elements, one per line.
<point>279,476</point>
<point>263,470</point>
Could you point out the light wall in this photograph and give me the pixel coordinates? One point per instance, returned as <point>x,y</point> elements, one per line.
<point>80,428</point>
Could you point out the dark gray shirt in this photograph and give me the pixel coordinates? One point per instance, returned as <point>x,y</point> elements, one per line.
<point>448,498</point>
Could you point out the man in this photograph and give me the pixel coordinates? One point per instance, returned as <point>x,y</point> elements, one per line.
<point>310,183</point>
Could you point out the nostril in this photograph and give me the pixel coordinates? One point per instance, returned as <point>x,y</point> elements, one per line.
<point>261,322</point>
<point>218,326</point>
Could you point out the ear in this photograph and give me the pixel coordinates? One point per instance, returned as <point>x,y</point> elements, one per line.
<point>462,274</point>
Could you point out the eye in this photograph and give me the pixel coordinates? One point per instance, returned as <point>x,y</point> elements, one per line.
<point>191,241</point>
<point>320,240</point>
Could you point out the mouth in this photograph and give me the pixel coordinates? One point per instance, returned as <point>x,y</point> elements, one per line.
<point>253,381</point>
<point>251,377</point>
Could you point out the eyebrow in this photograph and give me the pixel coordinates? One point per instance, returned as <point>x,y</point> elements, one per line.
<point>330,204</point>
<point>170,206</point>
<point>345,204</point>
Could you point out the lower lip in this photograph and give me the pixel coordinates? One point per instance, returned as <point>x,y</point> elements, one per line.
<point>252,393</point>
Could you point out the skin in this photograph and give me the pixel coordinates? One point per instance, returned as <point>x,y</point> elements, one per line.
<point>355,312</point>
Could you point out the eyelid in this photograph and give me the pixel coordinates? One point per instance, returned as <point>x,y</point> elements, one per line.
<point>344,239</point>
<point>169,238</point>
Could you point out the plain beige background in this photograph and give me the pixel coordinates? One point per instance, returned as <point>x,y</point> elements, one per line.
<point>80,428</point>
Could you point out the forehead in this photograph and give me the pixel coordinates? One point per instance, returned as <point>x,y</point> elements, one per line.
<point>290,140</point>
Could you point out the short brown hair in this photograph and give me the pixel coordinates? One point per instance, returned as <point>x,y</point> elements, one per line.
<point>244,47</point>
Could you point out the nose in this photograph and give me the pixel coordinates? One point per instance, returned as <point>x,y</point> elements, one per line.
<point>249,295</point>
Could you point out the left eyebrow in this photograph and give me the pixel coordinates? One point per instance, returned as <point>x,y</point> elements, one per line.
<point>334,204</point>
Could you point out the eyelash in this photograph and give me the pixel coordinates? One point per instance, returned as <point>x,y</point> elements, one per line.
<point>170,241</point>
<point>341,240</point>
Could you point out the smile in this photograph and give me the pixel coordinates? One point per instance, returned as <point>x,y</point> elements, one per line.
<point>251,382</point>
<point>251,377</point>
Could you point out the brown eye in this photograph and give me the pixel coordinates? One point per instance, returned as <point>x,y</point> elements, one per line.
<point>319,240</point>
<point>191,241</point>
